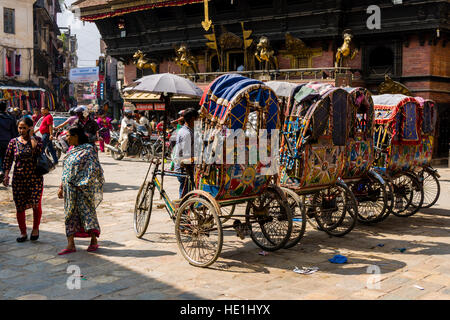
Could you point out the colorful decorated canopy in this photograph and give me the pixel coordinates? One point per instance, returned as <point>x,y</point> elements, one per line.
<point>402,113</point>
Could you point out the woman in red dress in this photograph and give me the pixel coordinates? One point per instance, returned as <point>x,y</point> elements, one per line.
<point>27,186</point>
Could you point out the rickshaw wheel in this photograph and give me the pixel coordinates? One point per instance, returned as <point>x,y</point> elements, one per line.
<point>199,231</point>
<point>431,187</point>
<point>298,217</point>
<point>227,212</point>
<point>407,190</point>
<point>390,198</point>
<point>271,219</point>
<point>418,193</point>
<point>372,200</point>
<point>336,209</point>
<point>143,209</point>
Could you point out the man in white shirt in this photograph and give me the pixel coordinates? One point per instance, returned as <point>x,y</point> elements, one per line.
<point>143,121</point>
<point>127,126</point>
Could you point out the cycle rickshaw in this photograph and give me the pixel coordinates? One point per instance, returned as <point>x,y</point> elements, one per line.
<point>199,216</point>
<point>369,188</point>
<point>396,138</point>
<point>427,175</point>
<point>312,158</point>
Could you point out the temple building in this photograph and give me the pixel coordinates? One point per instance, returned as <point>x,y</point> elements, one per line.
<point>400,45</point>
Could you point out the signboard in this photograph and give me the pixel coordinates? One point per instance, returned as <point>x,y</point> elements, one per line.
<point>159,106</point>
<point>144,106</point>
<point>150,106</point>
<point>120,70</point>
<point>89,96</point>
<point>84,74</point>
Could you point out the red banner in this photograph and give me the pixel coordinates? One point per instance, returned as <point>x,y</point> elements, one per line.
<point>144,106</point>
<point>159,106</point>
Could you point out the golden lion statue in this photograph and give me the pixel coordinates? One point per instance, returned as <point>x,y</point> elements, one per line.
<point>265,53</point>
<point>346,50</point>
<point>185,60</point>
<point>142,63</point>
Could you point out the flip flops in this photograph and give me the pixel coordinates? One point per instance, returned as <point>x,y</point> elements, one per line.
<point>66,251</point>
<point>92,248</point>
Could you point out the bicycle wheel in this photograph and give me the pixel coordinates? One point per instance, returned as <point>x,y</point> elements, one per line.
<point>336,209</point>
<point>431,187</point>
<point>298,217</point>
<point>227,212</point>
<point>270,218</point>
<point>199,231</point>
<point>372,199</point>
<point>389,198</point>
<point>143,208</point>
<point>404,185</point>
<point>418,194</point>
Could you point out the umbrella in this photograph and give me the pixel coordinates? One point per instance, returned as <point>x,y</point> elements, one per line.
<point>282,88</point>
<point>166,83</point>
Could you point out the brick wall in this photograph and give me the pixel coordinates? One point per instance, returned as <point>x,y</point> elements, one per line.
<point>326,60</point>
<point>416,58</point>
<point>440,62</point>
<point>169,66</point>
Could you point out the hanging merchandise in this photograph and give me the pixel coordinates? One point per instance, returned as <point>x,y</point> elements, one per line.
<point>42,99</point>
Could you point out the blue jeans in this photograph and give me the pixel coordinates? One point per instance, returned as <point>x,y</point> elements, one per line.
<point>184,185</point>
<point>48,144</point>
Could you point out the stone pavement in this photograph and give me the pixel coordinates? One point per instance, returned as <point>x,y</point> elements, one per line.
<point>153,268</point>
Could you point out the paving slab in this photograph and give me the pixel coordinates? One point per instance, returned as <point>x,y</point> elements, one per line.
<point>153,268</point>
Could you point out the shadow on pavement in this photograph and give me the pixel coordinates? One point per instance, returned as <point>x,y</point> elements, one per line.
<point>34,270</point>
<point>110,187</point>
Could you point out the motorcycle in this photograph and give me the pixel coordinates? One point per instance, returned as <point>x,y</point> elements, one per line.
<point>170,144</point>
<point>138,145</point>
<point>57,145</point>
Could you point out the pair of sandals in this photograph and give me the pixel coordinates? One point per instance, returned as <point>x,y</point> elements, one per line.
<point>25,238</point>
<point>91,248</point>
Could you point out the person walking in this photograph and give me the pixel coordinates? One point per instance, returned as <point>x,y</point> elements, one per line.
<point>8,130</point>
<point>27,186</point>
<point>46,129</point>
<point>36,115</point>
<point>88,124</point>
<point>81,189</point>
<point>104,124</point>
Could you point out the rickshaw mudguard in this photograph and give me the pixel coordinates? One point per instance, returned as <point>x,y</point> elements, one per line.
<point>201,194</point>
<point>377,176</point>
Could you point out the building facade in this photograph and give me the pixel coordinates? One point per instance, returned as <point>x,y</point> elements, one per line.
<point>16,41</point>
<point>294,40</point>
<point>34,55</point>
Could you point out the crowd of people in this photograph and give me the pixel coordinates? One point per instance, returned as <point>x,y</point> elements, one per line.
<point>82,175</point>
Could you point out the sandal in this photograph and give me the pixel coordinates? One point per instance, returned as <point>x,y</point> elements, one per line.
<point>92,247</point>
<point>66,251</point>
<point>22,239</point>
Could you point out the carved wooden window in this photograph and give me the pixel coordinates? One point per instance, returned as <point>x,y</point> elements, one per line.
<point>381,60</point>
<point>303,62</point>
<point>214,63</point>
<point>235,59</point>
